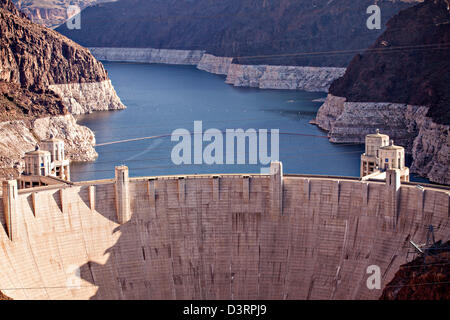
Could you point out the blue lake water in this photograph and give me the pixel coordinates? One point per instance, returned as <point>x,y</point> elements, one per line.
<point>163,98</point>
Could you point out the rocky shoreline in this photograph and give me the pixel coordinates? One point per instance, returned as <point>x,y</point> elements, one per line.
<point>405,95</point>
<point>148,55</point>
<point>20,136</point>
<point>314,79</point>
<point>427,141</point>
<point>80,98</point>
<point>45,79</point>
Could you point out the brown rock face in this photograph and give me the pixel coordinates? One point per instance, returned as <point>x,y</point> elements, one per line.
<point>40,71</point>
<point>3,297</point>
<point>50,13</point>
<point>9,6</point>
<point>409,63</point>
<point>34,56</point>
<point>400,86</point>
<point>20,103</point>
<point>422,279</point>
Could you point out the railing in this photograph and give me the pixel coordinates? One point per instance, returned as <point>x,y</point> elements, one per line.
<point>216,175</point>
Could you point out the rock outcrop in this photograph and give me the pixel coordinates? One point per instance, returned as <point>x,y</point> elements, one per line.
<point>17,103</point>
<point>36,57</point>
<point>431,151</point>
<point>401,86</point>
<point>87,97</point>
<point>20,136</point>
<point>349,122</point>
<point>283,77</point>
<point>424,278</point>
<point>44,78</point>
<point>408,125</point>
<point>409,63</point>
<point>216,65</point>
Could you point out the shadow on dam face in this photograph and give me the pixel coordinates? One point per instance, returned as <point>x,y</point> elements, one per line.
<point>223,237</point>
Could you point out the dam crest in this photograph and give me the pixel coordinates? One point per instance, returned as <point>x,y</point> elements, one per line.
<point>223,236</point>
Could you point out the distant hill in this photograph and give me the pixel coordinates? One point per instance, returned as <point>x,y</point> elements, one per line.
<point>50,13</point>
<point>408,63</point>
<point>254,32</point>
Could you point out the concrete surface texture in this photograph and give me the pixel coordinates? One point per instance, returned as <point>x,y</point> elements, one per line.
<point>212,237</point>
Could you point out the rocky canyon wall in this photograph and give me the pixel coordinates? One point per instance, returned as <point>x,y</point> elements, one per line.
<point>256,76</point>
<point>216,65</point>
<point>44,79</point>
<point>283,77</point>
<point>148,55</point>
<point>20,136</point>
<point>82,98</point>
<point>403,93</point>
<point>36,57</point>
<point>408,125</point>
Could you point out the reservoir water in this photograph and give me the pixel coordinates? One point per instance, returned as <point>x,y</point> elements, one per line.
<point>163,98</point>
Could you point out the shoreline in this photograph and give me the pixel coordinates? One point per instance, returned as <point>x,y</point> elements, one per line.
<point>310,79</point>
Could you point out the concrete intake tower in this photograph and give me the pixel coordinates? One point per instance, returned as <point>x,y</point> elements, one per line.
<point>230,236</point>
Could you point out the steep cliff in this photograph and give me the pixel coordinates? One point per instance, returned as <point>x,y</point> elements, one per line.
<point>44,78</point>
<point>409,63</point>
<point>216,65</point>
<point>253,32</point>
<point>283,77</point>
<point>20,103</point>
<point>20,136</point>
<point>424,278</point>
<point>401,86</point>
<point>36,57</point>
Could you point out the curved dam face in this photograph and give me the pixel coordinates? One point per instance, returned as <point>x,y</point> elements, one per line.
<point>212,237</point>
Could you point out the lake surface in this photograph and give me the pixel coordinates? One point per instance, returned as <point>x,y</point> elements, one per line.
<point>163,98</point>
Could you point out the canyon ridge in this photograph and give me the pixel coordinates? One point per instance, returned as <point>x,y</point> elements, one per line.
<point>45,79</point>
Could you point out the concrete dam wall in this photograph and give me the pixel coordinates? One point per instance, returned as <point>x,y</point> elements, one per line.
<point>212,237</point>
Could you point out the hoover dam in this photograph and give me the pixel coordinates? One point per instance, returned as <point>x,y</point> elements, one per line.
<point>224,236</point>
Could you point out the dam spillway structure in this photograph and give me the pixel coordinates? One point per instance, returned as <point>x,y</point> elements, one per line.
<point>224,236</point>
